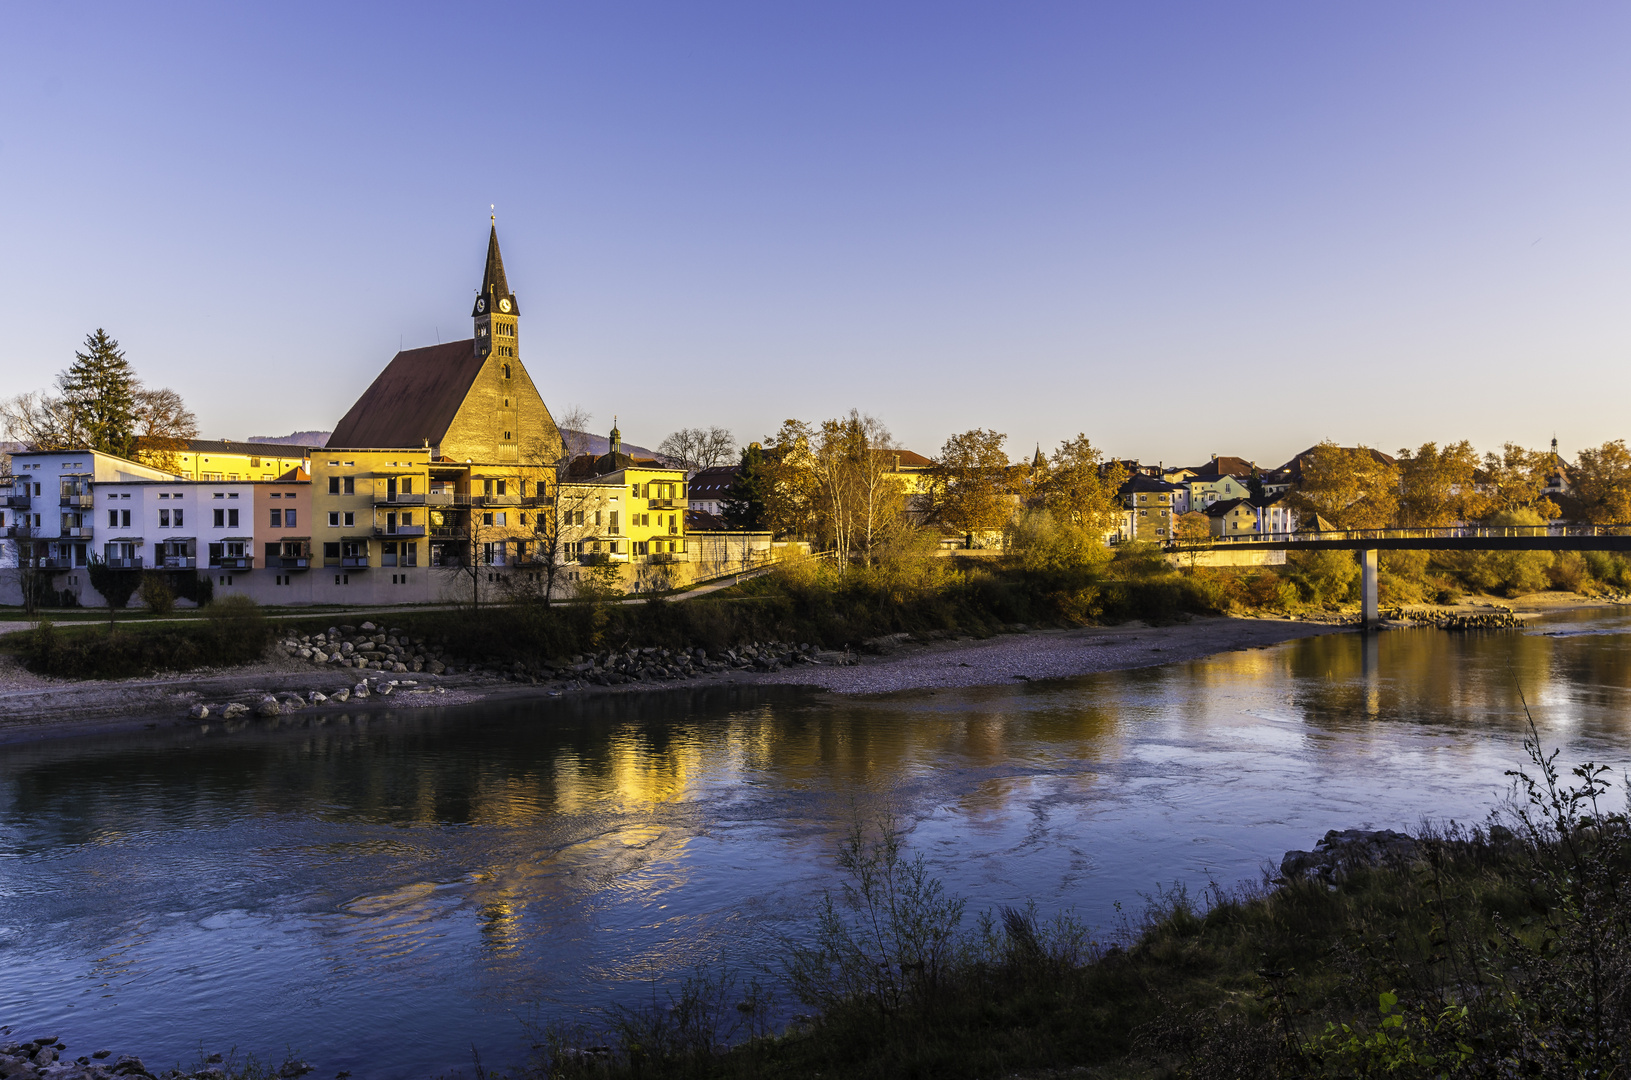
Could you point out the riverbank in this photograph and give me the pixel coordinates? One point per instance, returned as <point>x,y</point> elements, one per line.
<point>33,706</point>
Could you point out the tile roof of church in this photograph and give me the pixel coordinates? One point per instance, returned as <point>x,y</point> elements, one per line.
<point>414,400</point>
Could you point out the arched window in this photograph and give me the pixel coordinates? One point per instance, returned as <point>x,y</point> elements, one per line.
<point>506,371</point>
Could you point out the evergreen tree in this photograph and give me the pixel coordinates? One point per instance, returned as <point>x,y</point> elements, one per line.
<point>745,502</point>
<point>99,389</point>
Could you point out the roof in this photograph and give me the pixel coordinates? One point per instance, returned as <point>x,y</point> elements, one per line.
<point>1142,482</point>
<point>1222,466</point>
<point>710,483</point>
<point>230,446</point>
<point>1218,509</point>
<point>587,466</point>
<point>907,459</point>
<point>414,400</point>
<point>702,521</point>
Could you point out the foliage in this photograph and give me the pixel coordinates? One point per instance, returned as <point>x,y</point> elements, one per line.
<point>1602,483</point>
<point>747,502</point>
<point>99,388</point>
<point>156,593</point>
<point>1439,487</point>
<point>1518,478</point>
<point>116,586</point>
<point>234,631</point>
<point>1350,487</point>
<point>1077,487</point>
<point>969,488</point>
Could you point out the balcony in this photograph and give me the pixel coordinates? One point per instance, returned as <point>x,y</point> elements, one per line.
<point>132,563</point>
<point>399,530</point>
<point>229,562</point>
<point>401,499</point>
<point>662,504</point>
<point>447,532</point>
<point>288,562</point>
<point>80,500</point>
<point>664,557</point>
<point>178,562</point>
<point>440,498</point>
<point>18,502</point>
<point>17,532</point>
<point>82,532</point>
<point>449,562</point>
<point>354,562</point>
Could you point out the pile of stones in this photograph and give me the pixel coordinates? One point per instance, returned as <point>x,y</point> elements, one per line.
<point>1341,852</point>
<point>655,664</point>
<point>270,705</point>
<point>41,1059</point>
<point>367,647</point>
<point>1500,619</point>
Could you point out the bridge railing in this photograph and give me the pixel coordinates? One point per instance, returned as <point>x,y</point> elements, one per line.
<point>1453,532</point>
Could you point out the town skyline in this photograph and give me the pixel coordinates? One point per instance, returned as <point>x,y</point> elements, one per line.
<point>1371,230</point>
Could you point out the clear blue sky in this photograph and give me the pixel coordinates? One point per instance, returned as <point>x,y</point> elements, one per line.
<point>1181,228</point>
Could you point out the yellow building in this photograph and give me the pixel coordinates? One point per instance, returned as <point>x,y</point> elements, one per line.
<point>222,459</point>
<point>621,509</point>
<point>1154,505</point>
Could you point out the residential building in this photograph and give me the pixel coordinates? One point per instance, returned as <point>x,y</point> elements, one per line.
<point>222,459</point>
<point>1245,517</point>
<point>710,489</point>
<point>1154,505</point>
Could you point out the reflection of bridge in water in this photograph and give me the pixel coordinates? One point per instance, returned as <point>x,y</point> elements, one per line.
<point>1368,542</point>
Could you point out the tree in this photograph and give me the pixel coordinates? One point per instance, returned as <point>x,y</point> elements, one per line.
<point>100,389</point>
<point>791,495</point>
<point>1192,527</point>
<point>858,497</point>
<point>969,488</point>
<point>1077,487</point>
<point>40,421</point>
<point>695,449</point>
<point>747,502</point>
<point>555,523</point>
<point>1440,487</point>
<point>1602,483</point>
<point>1351,487</point>
<point>163,426</point>
<point>1516,480</point>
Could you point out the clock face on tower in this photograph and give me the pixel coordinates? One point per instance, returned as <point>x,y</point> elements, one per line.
<point>481,303</point>
<point>504,305</point>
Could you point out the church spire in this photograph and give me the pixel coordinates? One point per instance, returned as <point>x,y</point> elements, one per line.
<point>495,289</point>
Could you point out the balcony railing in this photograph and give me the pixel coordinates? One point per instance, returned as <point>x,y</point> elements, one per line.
<point>354,562</point>
<point>179,562</point>
<point>399,530</point>
<point>227,562</point>
<point>439,498</point>
<point>446,532</point>
<point>132,563</point>
<point>288,562</point>
<point>660,504</point>
<point>18,502</point>
<point>79,532</point>
<point>403,499</point>
<point>449,561</point>
<point>79,499</point>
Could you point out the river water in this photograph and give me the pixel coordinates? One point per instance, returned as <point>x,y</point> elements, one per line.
<point>384,890</point>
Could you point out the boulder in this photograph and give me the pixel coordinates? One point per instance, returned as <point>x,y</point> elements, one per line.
<point>1339,853</point>
<point>234,710</point>
<point>317,697</point>
<point>268,706</point>
<point>367,628</point>
<point>360,690</point>
<point>341,695</point>
<point>199,712</point>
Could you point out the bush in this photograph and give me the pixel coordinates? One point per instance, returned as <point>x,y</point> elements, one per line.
<point>157,594</point>
<point>237,630</point>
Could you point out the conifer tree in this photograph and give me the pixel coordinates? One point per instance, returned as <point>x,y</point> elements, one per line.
<point>745,502</point>
<point>99,389</point>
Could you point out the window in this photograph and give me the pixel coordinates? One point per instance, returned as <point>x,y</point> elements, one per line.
<point>405,486</point>
<point>387,554</point>
<point>124,519</point>
<point>331,550</point>
<point>333,484</point>
<point>410,554</point>
<point>113,519</point>
<point>232,518</point>
<point>277,518</point>
<point>407,517</point>
<point>501,518</point>
<point>288,518</point>
<point>334,519</point>
<point>613,523</point>
<point>349,485</point>
<point>178,514</point>
<point>501,483</point>
<point>350,519</point>
<point>164,519</point>
<point>487,518</point>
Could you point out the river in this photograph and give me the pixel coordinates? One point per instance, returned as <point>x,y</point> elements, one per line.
<point>383,890</point>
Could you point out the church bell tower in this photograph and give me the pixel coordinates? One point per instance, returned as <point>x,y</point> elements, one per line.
<point>496,309</point>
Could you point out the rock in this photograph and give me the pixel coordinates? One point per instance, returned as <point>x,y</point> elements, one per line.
<point>268,706</point>
<point>367,628</point>
<point>100,1054</point>
<point>291,1069</point>
<point>383,688</point>
<point>126,1065</point>
<point>1340,853</point>
<point>360,690</point>
<point>234,710</point>
<point>292,702</point>
<point>341,695</point>
<point>317,697</point>
<point>436,667</point>
<point>199,712</point>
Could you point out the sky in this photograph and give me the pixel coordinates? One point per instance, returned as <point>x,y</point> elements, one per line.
<point>1182,229</point>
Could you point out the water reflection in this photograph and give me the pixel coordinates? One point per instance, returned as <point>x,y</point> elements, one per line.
<point>387,888</point>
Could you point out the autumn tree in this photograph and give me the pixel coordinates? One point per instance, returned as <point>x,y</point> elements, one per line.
<point>1192,527</point>
<point>1439,487</point>
<point>1076,486</point>
<point>1602,483</point>
<point>1350,487</point>
<point>1517,480</point>
<point>859,499</point>
<point>695,449</point>
<point>969,488</point>
<point>791,492</point>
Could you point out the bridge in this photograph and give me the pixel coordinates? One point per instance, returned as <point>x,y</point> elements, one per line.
<point>1369,542</point>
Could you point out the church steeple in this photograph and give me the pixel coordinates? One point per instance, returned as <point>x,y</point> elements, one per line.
<point>496,308</point>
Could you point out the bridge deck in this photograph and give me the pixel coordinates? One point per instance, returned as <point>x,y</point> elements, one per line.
<point>1460,538</point>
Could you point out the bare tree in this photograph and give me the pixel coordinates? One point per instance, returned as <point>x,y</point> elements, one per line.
<point>560,517</point>
<point>40,421</point>
<point>163,426</point>
<point>695,449</point>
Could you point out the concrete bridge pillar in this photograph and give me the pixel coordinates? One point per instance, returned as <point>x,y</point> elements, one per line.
<point>1369,596</point>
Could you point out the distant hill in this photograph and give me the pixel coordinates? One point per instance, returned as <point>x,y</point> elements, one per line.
<point>599,444</point>
<point>298,438</point>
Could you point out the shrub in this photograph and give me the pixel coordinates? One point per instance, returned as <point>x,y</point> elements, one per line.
<point>157,594</point>
<point>237,630</point>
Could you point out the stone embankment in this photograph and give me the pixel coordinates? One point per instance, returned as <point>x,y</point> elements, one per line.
<point>367,649</point>
<point>1499,619</point>
<point>43,1059</point>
